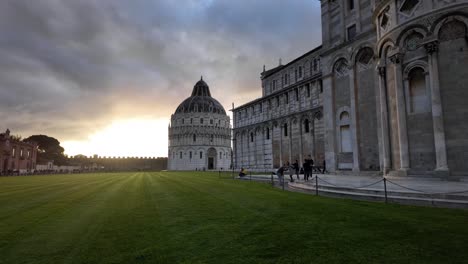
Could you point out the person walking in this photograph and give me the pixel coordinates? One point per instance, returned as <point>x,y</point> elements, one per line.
<point>290,169</point>
<point>280,174</point>
<point>296,168</point>
<point>310,164</point>
<point>306,167</point>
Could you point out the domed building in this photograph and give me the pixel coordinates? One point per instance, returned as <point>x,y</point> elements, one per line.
<point>199,133</point>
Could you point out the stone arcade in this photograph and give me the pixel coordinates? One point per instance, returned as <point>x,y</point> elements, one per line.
<point>200,133</point>
<point>385,92</point>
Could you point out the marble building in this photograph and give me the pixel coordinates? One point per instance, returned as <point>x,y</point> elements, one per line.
<point>384,93</point>
<point>199,133</point>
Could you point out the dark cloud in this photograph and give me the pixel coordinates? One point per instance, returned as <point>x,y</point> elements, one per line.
<point>68,67</point>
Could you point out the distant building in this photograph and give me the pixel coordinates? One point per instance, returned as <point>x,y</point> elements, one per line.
<point>384,93</point>
<point>16,155</point>
<point>199,133</point>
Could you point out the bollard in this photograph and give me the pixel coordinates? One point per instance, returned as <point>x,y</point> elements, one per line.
<point>316,185</point>
<point>385,189</point>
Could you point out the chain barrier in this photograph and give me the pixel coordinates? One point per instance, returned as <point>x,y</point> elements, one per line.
<point>352,187</point>
<point>423,192</point>
<point>316,177</point>
<point>407,188</point>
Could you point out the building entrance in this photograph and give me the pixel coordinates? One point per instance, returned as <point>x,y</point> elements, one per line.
<point>211,155</point>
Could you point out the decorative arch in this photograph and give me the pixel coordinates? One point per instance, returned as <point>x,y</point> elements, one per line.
<point>417,28</point>
<point>452,30</point>
<point>364,58</point>
<point>387,43</point>
<point>359,48</point>
<point>417,90</point>
<point>437,25</point>
<point>343,125</point>
<point>341,68</point>
<point>415,64</point>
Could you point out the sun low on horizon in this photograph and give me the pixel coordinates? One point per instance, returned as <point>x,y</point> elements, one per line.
<point>136,137</point>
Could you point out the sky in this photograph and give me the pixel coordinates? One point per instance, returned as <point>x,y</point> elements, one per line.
<point>104,76</point>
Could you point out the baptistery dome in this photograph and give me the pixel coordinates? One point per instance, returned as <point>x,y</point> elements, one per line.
<point>199,133</point>
<point>201,101</point>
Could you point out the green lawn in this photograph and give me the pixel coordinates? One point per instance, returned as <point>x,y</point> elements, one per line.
<point>189,217</point>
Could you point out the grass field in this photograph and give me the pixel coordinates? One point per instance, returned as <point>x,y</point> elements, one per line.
<point>166,217</point>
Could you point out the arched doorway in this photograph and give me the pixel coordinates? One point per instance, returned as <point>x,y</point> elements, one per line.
<point>211,156</point>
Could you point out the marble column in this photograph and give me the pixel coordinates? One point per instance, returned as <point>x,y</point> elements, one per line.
<point>301,148</point>
<point>329,123</point>
<point>263,149</point>
<point>290,131</point>
<point>432,49</point>
<point>281,143</point>
<point>384,120</point>
<point>312,137</point>
<point>354,129</point>
<point>255,152</point>
<point>401,114</point>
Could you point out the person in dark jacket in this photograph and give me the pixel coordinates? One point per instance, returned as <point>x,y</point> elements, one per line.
<point>306,167</point>
<point>296,168</point>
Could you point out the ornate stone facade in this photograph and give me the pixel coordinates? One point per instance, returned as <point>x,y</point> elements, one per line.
<point>391,76</point>
<point>200,133</point>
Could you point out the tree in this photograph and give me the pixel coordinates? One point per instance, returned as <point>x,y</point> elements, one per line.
<point>48,149</point>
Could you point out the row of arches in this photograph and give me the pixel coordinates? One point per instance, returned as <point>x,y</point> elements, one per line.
<point>270,145</point>
<point>423,81</point>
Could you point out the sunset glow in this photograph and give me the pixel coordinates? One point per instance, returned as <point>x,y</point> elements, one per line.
<point>124,138</point>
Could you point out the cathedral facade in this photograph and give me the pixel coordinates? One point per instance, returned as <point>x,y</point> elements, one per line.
<point>384,93</point>
<point>200,133</point>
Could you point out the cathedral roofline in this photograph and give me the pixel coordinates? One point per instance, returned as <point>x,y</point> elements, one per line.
<point>280,67</point>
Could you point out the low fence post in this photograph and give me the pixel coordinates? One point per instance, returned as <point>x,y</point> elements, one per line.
<point>316,185</point>
<point>272,181</point>
<point>385,189</point>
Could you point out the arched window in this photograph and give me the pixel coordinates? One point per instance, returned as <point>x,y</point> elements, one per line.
<point>267,133</point>
<point>211,139</point>
<point>306,126</point>
<point>251,137</point>
<point>285,130</point>
<point>201,120</point>
<point>180,155</point>
<point>194,138</point>
<point>418,100</point>
<point>201,154</point>
<point>190,154</point>
<point>345,132</point>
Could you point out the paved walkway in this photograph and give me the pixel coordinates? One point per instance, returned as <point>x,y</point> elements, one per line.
<point>409,184</point>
